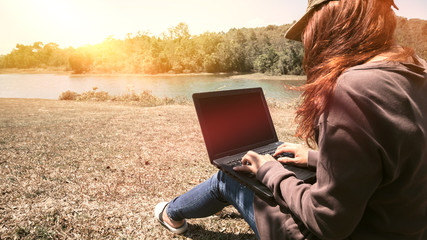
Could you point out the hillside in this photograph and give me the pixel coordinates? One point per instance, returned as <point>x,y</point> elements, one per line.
<point>413,33</point>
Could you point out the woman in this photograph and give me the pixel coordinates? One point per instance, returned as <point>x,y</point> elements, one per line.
<point>365,105</point>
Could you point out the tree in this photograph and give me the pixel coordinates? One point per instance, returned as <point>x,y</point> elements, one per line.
<point>80,62</point>
<point>266,61</point>
<point>178,32</point>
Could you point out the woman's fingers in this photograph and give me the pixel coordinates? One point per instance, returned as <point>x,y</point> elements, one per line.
<point>288,161</point>
<point>286,147</point>
<point>300,152</point>
<point>252,161</point>
<point>247,162</point>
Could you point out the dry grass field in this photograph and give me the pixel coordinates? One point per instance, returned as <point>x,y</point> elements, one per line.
<point>95,170</point>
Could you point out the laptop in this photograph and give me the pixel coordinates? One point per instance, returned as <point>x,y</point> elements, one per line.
<point>234,122</point>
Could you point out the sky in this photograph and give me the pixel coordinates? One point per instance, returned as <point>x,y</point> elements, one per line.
<point>79,22</point>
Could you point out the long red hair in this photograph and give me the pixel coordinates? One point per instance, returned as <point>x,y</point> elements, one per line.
<point>339,35</point>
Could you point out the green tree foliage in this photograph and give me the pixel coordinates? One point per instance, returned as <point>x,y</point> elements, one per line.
<point>177,51</point>
<point>80,62</point>
<point>266,61</point>
<point>35,55</point>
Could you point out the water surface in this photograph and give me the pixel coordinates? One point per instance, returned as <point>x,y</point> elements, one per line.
<point>50,86</point>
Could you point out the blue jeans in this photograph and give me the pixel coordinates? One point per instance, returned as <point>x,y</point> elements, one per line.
<point>210,197</point>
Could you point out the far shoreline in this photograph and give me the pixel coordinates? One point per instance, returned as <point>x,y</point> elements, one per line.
<point>233,75</point>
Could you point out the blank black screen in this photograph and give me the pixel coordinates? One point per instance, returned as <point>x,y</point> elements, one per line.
<point>235,123</point>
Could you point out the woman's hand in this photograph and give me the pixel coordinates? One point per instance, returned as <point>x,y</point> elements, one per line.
<point>253,161</point>
<point>300,152</point>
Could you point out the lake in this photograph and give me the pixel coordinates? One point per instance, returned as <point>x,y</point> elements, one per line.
<point>50,86</point>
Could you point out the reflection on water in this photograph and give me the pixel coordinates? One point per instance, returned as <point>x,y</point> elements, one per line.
<point>50,86</point>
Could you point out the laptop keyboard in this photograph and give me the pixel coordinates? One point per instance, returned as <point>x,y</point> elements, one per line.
<point>238,161</point>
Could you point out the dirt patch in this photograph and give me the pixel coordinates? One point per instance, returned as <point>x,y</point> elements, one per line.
<point>90,170</point>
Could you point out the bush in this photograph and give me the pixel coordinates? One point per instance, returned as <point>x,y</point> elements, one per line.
<point>145,98</point>
<point>68,95</point>
<point>80,62</point>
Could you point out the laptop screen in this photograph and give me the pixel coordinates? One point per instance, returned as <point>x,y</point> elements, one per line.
<point>234,121</point>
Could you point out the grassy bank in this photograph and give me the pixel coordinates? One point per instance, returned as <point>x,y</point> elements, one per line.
<point>234,75</point>
<point>95,170</point>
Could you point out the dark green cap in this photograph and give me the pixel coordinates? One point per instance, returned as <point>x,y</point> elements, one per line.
<point>295,31</point>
